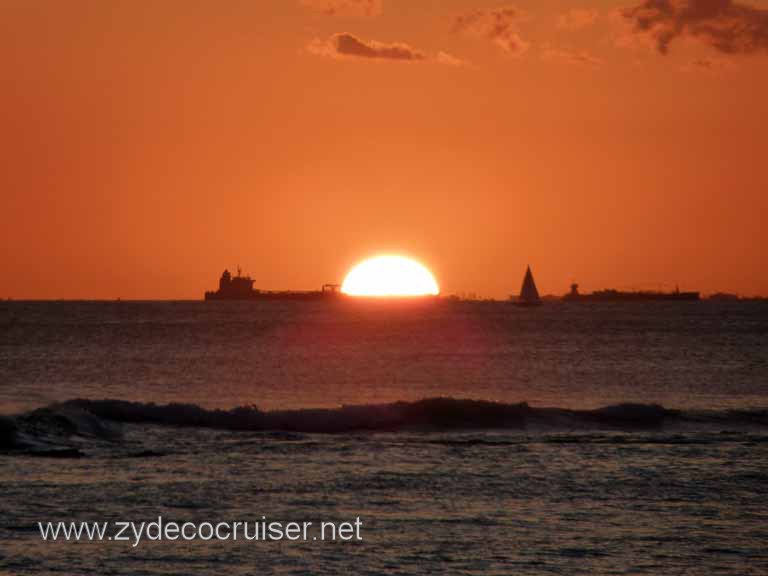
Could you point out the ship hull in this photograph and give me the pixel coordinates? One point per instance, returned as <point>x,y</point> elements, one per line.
<point>635,297</point>
<point>271,296</point>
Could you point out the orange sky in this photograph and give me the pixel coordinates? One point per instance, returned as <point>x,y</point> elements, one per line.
<point>148,145</point>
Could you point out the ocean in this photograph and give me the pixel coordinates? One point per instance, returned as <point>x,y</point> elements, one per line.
<point>464,437</point>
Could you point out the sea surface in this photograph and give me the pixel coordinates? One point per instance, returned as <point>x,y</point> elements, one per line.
<point>468,437</point>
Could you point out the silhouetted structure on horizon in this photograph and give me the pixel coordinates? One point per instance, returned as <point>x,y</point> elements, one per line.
<point>724,297</point>
<point>241,288</point>
<point>611,295</point>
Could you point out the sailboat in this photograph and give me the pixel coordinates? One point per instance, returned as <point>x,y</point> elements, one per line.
<point>529,295</point>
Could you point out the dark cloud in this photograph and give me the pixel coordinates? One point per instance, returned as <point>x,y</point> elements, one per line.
<point>346,7</point>
<point>725,25</point>
<point>345,45</point>
<point>715,66</point>
<point>499,25</point>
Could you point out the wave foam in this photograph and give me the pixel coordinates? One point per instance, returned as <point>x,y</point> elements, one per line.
<point>47,428</point>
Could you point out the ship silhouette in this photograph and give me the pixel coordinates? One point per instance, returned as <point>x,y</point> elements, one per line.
<point>241,288</point>
<point>529,295</point>
<point>612,295</point>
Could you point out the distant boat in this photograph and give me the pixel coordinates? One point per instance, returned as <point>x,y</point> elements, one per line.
<point>724,297</point>
<point>612,295</point>
<point>241,288</point>
<point>529,295</point>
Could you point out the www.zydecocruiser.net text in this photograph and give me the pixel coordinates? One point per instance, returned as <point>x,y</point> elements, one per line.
<point>159,530</point>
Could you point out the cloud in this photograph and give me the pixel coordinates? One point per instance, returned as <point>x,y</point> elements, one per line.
<point>360,8</point>
<point>499,25</point>
<point>346,46</point>
<point>580,58</point>
<point>577,18</point>
<point>449,59</point>
<point>710,65</point>
<point>727,26</point>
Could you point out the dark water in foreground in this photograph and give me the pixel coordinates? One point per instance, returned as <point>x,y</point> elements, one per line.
<point>642,446</point>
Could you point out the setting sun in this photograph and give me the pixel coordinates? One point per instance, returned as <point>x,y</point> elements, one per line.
<point>390,276</point>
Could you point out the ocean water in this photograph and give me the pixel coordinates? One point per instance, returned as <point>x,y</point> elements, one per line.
<point>468,438</point>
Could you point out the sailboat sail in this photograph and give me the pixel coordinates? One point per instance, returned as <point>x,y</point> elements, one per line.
<point>528,293</point>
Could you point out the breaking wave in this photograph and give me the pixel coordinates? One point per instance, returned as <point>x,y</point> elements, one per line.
<point>50,431</point>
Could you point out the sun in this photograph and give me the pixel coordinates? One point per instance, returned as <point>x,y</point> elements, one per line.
<point>390,275</point>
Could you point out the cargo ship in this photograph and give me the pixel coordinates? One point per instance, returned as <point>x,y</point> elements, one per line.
<point>241,288</point>
<point>611,295</point>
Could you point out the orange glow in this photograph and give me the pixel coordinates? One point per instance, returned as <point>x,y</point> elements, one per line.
<point>148,145</point>
<point>390,276</point>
